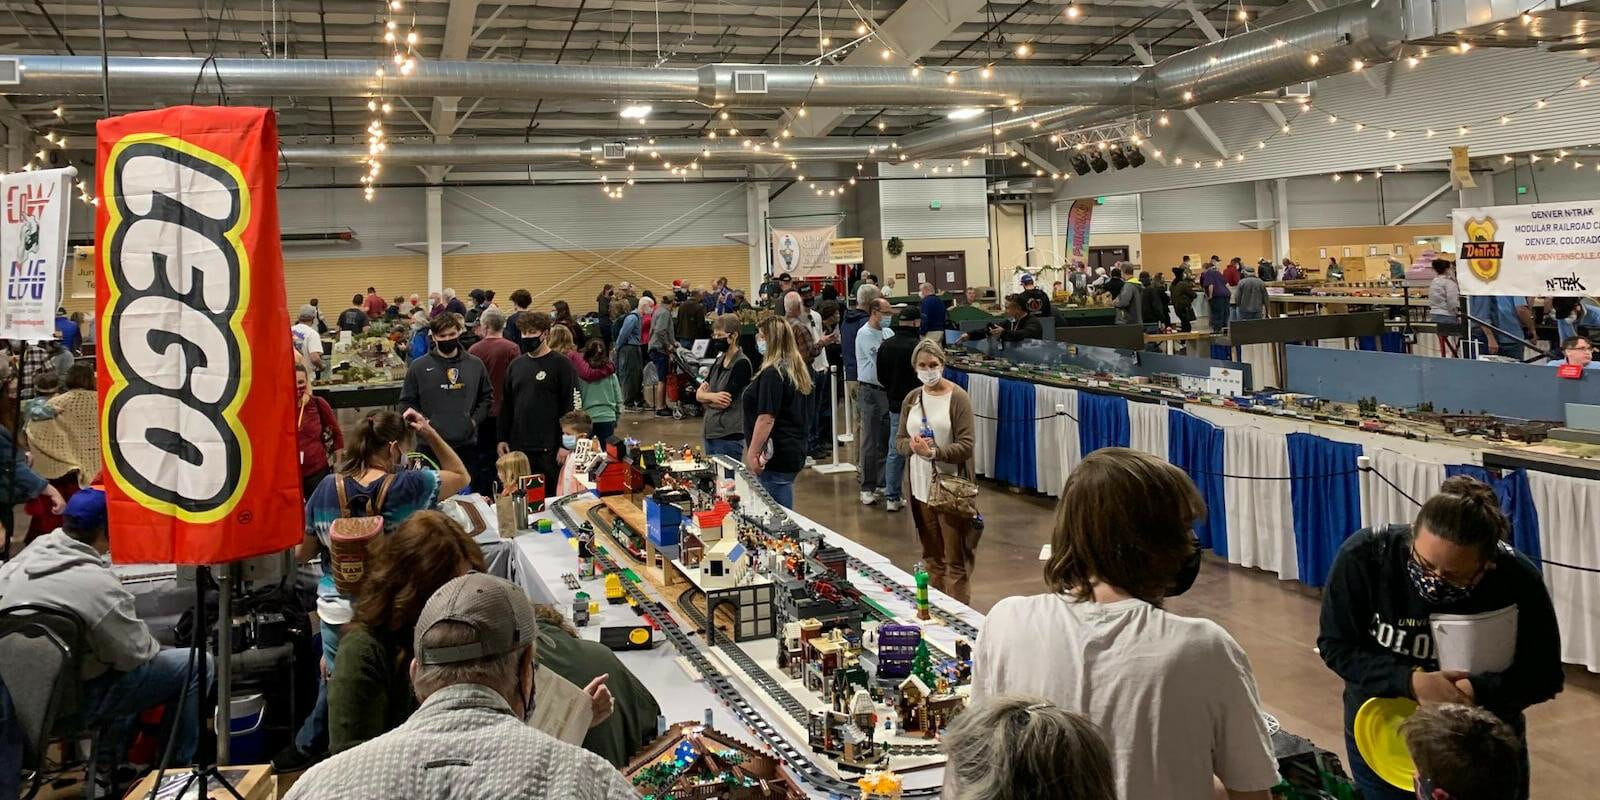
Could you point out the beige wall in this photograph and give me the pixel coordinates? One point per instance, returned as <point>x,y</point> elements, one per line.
<point>893,268</point>
<point>1008,228</point>
<point>1165,250</point>
<point>549,275</point>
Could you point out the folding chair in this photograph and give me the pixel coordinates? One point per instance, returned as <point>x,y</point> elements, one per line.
<point>40,653</point>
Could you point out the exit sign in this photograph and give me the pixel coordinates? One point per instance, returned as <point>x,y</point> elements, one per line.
<point>1522,190</point>
<point>1100,201</point>
<point>933,205</point>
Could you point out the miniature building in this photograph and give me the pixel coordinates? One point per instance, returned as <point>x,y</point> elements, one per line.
<point>723,564</point>
<point>833,559</point>
<point>796,600</point>
<point>897,646</point>
<point>691,761</point>
<point>836,734</point>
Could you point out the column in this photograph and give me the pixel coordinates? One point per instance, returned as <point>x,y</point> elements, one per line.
<point>435,227</point>
<point>1280,230</point>
<point>755,214</point>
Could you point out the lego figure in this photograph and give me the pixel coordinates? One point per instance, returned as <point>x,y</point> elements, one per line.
<point>580,610</point>
<point>921,576</point>
<point>586,559</point>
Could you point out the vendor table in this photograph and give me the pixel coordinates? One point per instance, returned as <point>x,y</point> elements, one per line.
<point>360,395</point>
<point>1283,493</point>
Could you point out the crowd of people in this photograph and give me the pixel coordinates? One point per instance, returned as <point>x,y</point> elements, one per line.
<point>427,667</point>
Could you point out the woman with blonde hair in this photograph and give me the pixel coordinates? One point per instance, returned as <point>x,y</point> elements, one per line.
<point>774,411</point>
<point>937,427</point>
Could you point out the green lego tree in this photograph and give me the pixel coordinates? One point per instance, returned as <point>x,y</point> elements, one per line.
<point>922,666</point>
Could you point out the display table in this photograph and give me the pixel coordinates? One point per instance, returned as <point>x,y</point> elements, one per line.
<point>360,395</point>
<point>1283,493</point>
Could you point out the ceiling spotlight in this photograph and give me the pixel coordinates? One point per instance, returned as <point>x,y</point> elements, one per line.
<point>394,5</point>
<point>852,181</point>
<point>1238,156</point>
<point>1119,159</point>
<point>1392,134</point>
<point>1135,158</point>
<point>1361,126</point>
<point>1358,177</point>
<point>1315,58</point>
<point>1178,161</point>
<point>733,131</point>
<point>1073,12</point>
<point>1505,120</point>
<point>1337,177</point>
<point>1429,133</point>
<point>964,113</point>
<point>986,72</point>
<point>1097,162</point>
<point>387,108</point>
<point>724,115</point>
<point>638,112</point>
<point>1023,50</point>
<point>949,77</point>
<point>1285,128</point>
<point>1079,164</point>
<point>916,69</point>
<point>1462,131</point>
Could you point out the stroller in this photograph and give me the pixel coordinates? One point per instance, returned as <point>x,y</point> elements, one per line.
<point>687,373</point>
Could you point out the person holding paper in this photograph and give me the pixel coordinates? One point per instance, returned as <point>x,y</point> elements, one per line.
<point>1393,590</point>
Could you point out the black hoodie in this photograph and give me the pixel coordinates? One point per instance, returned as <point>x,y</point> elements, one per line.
<point>453,393</point>
<point>1375,629</point>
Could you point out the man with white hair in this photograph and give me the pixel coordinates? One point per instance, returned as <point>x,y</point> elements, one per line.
<point>476,647</point>
<point>435,304</point>
<point>934,316</point>
<point>453,304</point>
<point>306,338</point>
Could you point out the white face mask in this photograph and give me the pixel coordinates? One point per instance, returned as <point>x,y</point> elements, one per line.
<point>761,346</point>
<point>929,377</point>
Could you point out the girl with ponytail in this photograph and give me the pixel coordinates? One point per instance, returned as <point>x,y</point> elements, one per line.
<point>1456,559</point>
<point>372,481</point>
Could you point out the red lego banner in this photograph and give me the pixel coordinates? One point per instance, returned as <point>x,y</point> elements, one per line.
<point>197,431</point>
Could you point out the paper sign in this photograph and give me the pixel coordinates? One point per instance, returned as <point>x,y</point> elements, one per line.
<point>560,707</point>
<point>33,242</point>
<point>1544,250</point>
<point>949,277</point>
<point>803,252</point>
<point>1461,168</point>
<point>846,251</point>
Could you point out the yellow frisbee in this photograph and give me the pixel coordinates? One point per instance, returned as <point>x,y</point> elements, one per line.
<point>1378,739</point>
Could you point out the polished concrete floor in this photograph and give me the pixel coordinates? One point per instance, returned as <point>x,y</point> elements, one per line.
<point>1275,621</point>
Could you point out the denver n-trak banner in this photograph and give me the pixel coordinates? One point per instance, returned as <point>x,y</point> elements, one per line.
<point>196,424</point>
<point>1540,250</point>
<point>803,252</point>
<point>35,208</point>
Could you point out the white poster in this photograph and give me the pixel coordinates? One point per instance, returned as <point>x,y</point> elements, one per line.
<point>34,211</point>
<point>803,252</point>
<point>1541,250</point>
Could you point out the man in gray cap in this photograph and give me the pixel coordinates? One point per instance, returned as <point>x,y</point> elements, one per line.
<point>474,673</point>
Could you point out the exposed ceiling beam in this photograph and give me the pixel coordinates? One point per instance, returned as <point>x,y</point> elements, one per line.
<point>1211,32</point>
<point>911,31</point>
<point>1421,204</point>
<point>1034,158</point>
<point>458,34</point>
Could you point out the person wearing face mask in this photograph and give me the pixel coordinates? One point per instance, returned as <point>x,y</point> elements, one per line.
<point>936,427</point>
<point>540,387</point>
<point>1174,696</point>
<point>1385,585</point>
<point>872,400</point>
<point>477,658</point>
<point>377,483</point>
<point>774,410</point>
<point>451,387</point>
<point>722,390</point>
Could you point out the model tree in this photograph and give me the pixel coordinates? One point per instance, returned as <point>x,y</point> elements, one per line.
<point>922,666</point>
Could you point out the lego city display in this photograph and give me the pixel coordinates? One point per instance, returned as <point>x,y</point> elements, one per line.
<point>920,574</point>
<point>695,761</point>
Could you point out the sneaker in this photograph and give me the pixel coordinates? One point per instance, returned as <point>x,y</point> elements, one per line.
<point>292,759</point>
<point>868,498</point>
<point>810,462</point>
<point>893,505</point>
<point>663,412</point>
<point>677,413</point>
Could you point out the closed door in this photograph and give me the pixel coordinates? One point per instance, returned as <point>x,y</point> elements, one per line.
<point>946,271</point>
<point>1106,256</point>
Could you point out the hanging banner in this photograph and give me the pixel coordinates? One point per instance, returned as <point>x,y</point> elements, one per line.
<point>1541,250</point>
<point>1461,169</point>
<point>803,252</point>
<point>846,251</point>
<point>35,208</point>
<point>197,429</point>
<point>1078,218</point>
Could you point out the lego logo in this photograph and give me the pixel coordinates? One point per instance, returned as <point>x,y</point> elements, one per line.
<point>177,278</point>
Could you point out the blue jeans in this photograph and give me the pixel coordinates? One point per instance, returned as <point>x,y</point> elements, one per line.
<point>116,699</point>
<point>1249,315</point>
<point>732,448</point>
<point>1219,312</point>
<point>603,431</point>
<point>894,466</point>
<point>780,485</point>
<point>313,734</point>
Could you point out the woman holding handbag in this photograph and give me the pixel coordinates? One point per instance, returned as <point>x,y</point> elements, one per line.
<point>936,428</point>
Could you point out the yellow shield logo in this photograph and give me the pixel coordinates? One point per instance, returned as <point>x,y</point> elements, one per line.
<point>1482,230</point>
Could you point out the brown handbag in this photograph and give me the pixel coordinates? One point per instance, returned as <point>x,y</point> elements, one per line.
<point>349,537</point>
<point>950,493</point>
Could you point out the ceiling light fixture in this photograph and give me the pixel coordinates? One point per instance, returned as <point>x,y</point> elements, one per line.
<point>964,113</point>
<point>639,111</point>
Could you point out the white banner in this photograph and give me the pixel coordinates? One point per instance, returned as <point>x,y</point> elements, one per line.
<point>34,211</point>
<point>803,252</point>
<point>1540,250</point>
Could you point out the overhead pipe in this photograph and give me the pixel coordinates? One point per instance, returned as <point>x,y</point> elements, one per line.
<point>1261,59</point>
<point>676,151</point>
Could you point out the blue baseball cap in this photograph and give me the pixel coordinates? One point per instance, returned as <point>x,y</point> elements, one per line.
<point>1027,277</point>
<point>86,510</point>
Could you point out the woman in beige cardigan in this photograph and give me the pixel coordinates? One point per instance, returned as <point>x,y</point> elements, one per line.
<point>936,427</point>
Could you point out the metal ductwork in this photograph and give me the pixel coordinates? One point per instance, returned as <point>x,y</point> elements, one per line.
<point>960,136</point>
<point>1265,58</point>
<point>598,151</point>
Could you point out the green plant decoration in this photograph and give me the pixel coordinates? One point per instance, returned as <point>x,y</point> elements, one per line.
<point>896,247</point>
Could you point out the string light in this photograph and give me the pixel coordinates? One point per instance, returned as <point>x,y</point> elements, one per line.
<point>1073,12</point>
<point>1023,50</point>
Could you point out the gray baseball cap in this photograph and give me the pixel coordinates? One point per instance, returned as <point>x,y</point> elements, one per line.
<point>499,613</point>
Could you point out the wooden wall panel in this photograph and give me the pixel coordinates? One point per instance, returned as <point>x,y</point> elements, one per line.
<point>332,281</point>
<point>577,277</point>
<point>1165,250</point>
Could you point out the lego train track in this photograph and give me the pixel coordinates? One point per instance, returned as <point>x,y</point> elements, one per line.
<point>799,763</point>
<point>952,621</point>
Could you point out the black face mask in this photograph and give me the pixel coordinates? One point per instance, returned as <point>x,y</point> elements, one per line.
<point>530,344</point>
<point>447,347</point>
<point>1186,573</point>
<point>717,347</point>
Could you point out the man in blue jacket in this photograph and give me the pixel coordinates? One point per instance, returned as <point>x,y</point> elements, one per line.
<point>934,315</point>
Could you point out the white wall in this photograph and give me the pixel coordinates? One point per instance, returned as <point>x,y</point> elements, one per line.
<point>903,204</point>
<point>514,219</point>
<point>393,216</point>
<point>1322,202</point>
<point>1210,208</point>
<point>1547,183</point>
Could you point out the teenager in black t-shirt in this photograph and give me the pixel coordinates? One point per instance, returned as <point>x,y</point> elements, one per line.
<point>540,386</point>
<point>774,411</point>
<point>1385,585</point>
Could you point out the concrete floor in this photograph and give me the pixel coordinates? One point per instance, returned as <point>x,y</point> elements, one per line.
<point>1275,621</point>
